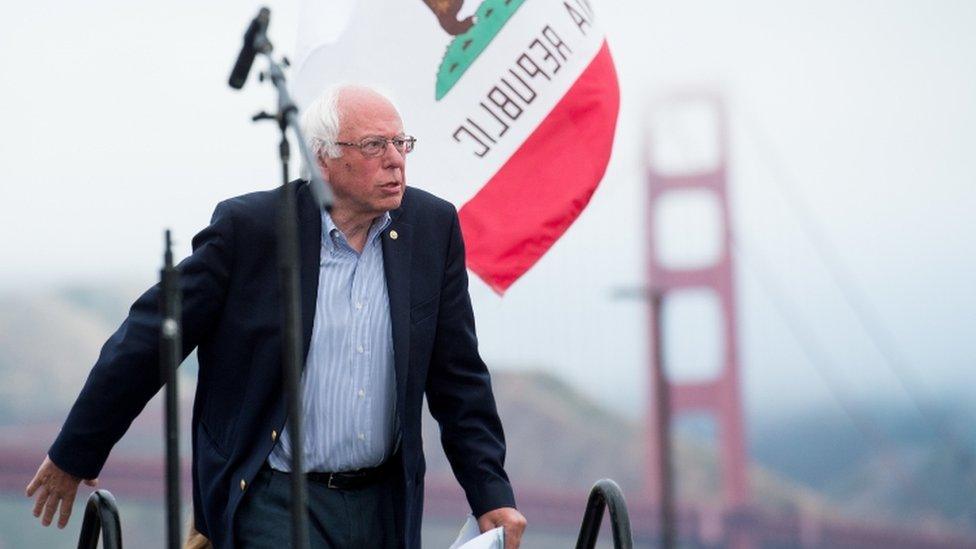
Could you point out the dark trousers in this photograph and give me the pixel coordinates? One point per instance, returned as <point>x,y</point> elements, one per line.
<point>361,517</point>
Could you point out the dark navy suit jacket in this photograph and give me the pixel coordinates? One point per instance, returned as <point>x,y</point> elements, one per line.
<point>232,313</point>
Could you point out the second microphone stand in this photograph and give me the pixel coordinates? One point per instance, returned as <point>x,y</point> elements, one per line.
<point>288,266</point>
<point>256,42</point>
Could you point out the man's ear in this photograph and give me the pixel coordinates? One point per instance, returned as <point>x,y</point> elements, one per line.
<point>323,167</point>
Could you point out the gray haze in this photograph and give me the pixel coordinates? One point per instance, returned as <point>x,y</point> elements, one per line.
<point>117,122</point>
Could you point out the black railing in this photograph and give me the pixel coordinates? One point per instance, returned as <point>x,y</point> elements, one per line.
<point>605,493</point>
<point>101,517</point>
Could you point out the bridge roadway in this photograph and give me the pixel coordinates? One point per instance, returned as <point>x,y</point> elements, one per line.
<point>548,509</point>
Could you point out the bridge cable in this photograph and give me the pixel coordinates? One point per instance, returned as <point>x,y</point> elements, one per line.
<point>819,359</point>
<point>856,299</point>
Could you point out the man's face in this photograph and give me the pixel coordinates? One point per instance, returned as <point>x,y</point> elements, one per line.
<point>366,186</point>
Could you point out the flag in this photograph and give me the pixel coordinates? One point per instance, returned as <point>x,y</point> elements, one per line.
<point>514,104</point>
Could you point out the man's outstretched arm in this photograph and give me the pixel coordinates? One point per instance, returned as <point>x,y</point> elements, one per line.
<point>126,375</point>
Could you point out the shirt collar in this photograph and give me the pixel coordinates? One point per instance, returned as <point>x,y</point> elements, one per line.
<point>331,235</point>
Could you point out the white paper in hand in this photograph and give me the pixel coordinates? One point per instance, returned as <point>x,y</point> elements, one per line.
<point>470,537</point>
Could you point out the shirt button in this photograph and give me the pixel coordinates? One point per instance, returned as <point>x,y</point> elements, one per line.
<point>361,437</point>
<point>243,485</point>
<point>359,305</point>
<point>362,393</point>
<point>360,349</point>
<point>274,435</point>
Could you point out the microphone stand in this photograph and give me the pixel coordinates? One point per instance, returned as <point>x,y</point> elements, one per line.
<point>256,41</point>
<point>170,356</point>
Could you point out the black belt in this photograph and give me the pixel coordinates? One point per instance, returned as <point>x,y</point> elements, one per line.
<point>349,480</point>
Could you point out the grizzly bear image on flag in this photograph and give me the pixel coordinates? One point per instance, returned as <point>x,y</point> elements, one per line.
<point>513,103</point>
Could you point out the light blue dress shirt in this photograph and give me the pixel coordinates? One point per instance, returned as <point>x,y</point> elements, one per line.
<point>348,385</point>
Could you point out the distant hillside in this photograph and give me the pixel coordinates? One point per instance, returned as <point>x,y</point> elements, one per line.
<point>907,472</point>
<point>49,342</point>
<point>47,345</point>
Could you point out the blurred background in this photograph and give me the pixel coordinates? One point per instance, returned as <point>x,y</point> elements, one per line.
<point>841,135</point>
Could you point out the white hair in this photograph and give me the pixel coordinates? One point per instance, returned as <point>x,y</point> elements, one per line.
<point>320,123</point>
<point>320,126</point>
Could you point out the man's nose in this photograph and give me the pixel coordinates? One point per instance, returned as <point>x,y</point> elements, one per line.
<point>392,157</point>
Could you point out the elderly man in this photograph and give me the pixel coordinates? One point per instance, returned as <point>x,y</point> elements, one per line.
<point>387,318</point>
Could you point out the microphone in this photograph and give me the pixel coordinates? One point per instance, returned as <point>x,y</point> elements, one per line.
<point>254,42</point>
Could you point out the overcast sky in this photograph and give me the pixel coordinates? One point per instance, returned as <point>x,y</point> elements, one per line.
<point>117,122</point>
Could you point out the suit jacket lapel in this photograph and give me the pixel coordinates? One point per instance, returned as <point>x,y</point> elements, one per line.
<point>396,267</point>
<point>310,243</point>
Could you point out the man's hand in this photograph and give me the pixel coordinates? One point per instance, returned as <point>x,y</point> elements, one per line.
<point>53,486</point>
<point>510,518</point>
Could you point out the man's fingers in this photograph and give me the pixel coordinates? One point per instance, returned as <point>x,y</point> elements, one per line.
<point>41,499</point>
<point>514,530</point>
<point>508,517</point>
<point>33,485</point>
<point>49,509</point>
<point>53,488</point>
<point>513,537</point>
<point>66,504</point>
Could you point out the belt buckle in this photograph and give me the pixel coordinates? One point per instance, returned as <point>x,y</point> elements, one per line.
<point>329,484</point>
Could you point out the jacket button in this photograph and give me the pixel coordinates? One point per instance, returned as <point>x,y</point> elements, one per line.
<point>243,485</point>
<point>274,435</point>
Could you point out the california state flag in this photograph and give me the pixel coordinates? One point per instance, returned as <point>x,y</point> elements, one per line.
<point>513,102</point>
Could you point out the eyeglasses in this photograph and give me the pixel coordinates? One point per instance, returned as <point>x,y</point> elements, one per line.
<point>375,145</point>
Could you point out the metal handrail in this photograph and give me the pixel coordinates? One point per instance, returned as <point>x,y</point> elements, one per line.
<point>101,516</point>
<point>605,493</point>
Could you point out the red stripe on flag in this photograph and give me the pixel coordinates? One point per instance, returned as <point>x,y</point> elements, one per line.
<point>538,193</point>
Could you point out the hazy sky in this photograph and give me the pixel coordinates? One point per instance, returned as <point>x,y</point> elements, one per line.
<point>117,123</point>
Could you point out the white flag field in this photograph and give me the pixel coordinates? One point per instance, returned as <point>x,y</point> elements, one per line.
<point>514,107</point>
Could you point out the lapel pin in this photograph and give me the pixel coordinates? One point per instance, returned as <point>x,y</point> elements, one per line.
<point>393,235</point>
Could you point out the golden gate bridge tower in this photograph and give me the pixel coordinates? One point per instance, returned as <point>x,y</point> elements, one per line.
<point>719,395</point>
